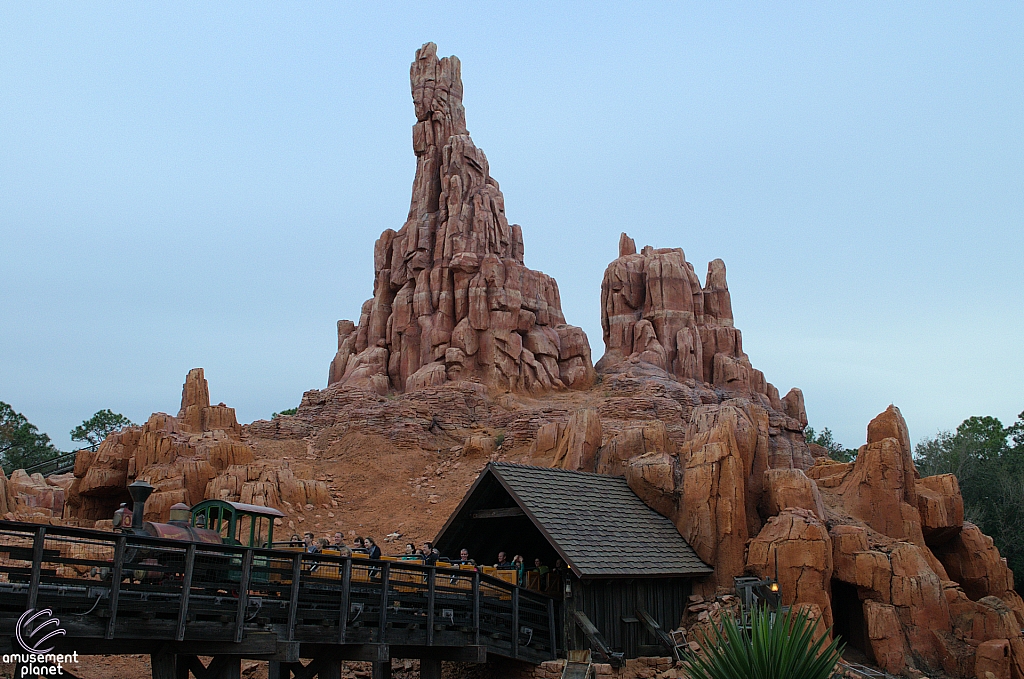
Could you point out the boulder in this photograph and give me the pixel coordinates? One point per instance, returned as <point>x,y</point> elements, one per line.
<point>790,488</point>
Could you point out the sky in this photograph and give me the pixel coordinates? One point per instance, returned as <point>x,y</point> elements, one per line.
<point>201,184</point>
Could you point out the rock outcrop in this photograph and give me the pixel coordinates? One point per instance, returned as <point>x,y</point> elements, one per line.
<point>33,498</point>
<point>452,298</point>
<point>194,456</point>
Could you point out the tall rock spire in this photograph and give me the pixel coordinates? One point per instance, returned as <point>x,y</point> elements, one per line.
<point>452,298</point>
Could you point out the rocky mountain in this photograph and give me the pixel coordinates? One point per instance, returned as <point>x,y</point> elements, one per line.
<point>463,356</point>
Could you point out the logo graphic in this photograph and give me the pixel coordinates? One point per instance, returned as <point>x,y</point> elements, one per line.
<point>35,628</point>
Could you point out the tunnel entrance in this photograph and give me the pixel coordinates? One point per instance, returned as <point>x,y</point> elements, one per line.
<point>848,617</point>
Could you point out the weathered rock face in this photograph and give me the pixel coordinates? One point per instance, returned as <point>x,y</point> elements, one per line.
<point>798,544</point>
<point>452,299</point>
<point>195,456</point>
<point>33,498</point>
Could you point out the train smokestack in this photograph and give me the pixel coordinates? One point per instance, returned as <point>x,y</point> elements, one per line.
<point>140,492</point>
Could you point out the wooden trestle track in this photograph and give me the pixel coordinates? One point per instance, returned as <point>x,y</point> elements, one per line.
<point>118,594</point>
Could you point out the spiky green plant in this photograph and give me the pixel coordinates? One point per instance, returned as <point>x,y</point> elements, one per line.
<point>777,646</point>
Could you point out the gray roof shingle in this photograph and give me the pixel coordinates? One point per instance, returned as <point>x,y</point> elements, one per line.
<point>598,523</point>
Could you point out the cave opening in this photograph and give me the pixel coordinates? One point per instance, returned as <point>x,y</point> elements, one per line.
<point>848,618</point>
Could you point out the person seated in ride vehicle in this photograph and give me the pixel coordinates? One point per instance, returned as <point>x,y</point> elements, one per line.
<point>503,563</point>
<point>371,548</point>
<point>464,558</point>
<point>312,546</point>
<point>430,555</point>
<point>359,546</point>
<point>411,553</point>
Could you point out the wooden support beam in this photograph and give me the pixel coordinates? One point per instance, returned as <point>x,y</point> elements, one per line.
<point>515,623</point>
<point>346,598</point>
<point>115,583</point>
<point>164,665</point>
<point>431,595</point>
<point>502,513</point>
<point>38,542</point>
<point>552,636</point>
<point>293,600</point>
<point>381,670</point>
<point>243,594</point>
<point>476,608</point>
<point>385,573</point>
<point>430,669</point>
<point>186,589</point>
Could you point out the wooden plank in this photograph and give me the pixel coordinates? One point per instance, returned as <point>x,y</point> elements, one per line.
<point>476,608</point>
<point>596,638</point>
<point>502,513</point>
<point>552,636</point>
<point>293,600</point>
<point>346,598</point>
<point>655,629</point>
<point>115,583</point>
<point>431,594</point>
<point>186,590</point>
<point>515,622</point>
<point>243,594</point>
<point>38,542</point>
<point>385,573</point>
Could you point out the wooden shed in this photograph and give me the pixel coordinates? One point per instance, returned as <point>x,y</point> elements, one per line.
<point>628,570</point>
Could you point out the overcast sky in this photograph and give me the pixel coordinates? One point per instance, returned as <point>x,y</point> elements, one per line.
<point>201,184</point>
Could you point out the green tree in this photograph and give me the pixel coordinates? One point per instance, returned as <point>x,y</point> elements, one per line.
<point>287,411</point>
<point>99,426</point>
<point>836,450</point>
<point>21,444</point>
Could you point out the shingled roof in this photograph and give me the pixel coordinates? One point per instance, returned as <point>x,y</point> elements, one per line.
<point>595,522</point>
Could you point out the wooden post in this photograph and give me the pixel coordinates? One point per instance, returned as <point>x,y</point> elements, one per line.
<point>293,601</point>
<point>385,573</point>
<point>163,665</point>
<point>346,587</point>
<point>431,579</point>
<point>430,668</point>
<point>38,542</point>
<point>515,622</point>
<point>186,588</point>
<point>115,583</point>
<point>552,636</point>
<point>382,670</point>
<point>330,668</point>
<point>243,594</point>
<point>476,608</point>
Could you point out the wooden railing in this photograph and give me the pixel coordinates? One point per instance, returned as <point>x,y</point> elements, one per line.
<point>111,586</point>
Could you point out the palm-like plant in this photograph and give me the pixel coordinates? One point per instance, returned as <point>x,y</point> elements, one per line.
<point>777,646</point>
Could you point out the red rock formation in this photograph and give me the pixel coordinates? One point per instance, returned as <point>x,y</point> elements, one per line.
<point>452,298</point>
<point>33,498</point>
<point>796,543</point>
<point>197,455</point>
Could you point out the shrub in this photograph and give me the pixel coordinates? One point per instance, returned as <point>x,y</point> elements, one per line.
<point>777,646</point>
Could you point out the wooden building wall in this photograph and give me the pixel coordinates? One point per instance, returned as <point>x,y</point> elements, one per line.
<point>611,605</point>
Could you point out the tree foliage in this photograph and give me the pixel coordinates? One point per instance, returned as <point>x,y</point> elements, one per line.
<point>836,450</point>
<point>21,444</point>
<point>988,461</point>
<point>287,411</point>
<point>99,426</point>
<point>778,646</point>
